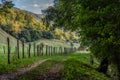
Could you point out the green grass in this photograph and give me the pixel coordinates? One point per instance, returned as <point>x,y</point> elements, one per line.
<point>77,70</point>
<point>16,64</point>
<point>76,67</point>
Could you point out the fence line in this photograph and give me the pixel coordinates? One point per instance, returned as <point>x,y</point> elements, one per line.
<point>21,50</point>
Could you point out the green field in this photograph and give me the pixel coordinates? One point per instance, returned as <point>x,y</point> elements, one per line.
<point>74,66</point>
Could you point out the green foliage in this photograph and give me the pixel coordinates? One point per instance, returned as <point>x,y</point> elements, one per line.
<point>98,23</point>
<point>50,14</point>
<point>30,34</point>
<point>48,34</point>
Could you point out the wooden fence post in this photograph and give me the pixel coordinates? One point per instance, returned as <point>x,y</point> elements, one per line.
<point>18,53</point>
<point>23,51</point>
<point>37,50</point>
<point>46,50</point>
<point>64,50</point>
<point>34,49</point>
<point>4,49</point>
<point>8,42</point>
<point>29,50</point>
<point>59,50</point>
<point>40,50</point>
<point>51,50</point>
<point>54,50</point>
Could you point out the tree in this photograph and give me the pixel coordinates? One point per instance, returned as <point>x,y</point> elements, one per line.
<point>50,14</point>
<point>98,22</point>
<point>7,4</point>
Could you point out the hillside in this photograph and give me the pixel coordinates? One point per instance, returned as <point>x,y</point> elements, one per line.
<point>13,41</point>
<point>28,26</point>
<point>3,38</point>
<point>36,16</point>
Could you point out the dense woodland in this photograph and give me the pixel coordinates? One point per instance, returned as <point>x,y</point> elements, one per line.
<point>28,26</point>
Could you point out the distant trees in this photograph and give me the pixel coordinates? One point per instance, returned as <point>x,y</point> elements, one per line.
<point>50,14</point>
<point>25,26</point>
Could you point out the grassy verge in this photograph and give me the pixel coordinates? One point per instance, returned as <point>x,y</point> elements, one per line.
<point>18,63</point>
<point>76,67</point>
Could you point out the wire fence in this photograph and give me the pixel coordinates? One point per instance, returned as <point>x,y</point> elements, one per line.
<point>10,52</point>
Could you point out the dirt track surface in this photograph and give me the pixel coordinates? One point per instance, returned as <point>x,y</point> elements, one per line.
<point>12,75</point>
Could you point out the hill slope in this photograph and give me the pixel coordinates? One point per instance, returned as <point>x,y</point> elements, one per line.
<point>3,38</point>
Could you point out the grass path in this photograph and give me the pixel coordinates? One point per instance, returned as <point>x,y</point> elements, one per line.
<point>12,75</point>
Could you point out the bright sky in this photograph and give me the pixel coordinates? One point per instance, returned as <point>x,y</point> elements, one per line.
<point>34,6</point>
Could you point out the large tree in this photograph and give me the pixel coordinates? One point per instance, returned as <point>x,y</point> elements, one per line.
<point>98,22</point>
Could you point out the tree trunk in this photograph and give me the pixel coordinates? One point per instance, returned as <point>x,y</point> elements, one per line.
<point>118,65</point>
<point>103,66</point>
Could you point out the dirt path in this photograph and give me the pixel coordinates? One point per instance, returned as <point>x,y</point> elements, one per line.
<point>52,74</point>
<point>12,75</point>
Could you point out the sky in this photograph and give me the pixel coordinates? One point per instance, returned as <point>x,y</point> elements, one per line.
<point>34,6</point>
